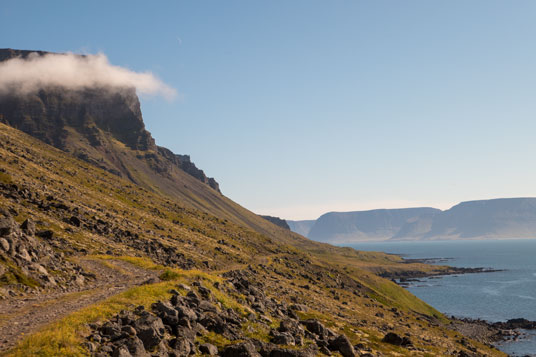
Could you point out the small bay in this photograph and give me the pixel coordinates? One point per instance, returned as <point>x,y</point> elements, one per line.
<point>494,296</point>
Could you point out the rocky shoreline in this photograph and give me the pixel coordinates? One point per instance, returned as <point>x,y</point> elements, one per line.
<point>492,333</point>
<point>404,278</point>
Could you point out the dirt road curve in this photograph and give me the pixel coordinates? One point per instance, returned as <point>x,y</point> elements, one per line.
<point>20,317</point>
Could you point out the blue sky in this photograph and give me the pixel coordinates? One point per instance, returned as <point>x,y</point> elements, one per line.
<point>302,107</point>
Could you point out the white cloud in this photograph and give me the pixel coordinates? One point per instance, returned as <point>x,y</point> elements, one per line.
<point>75,72</point>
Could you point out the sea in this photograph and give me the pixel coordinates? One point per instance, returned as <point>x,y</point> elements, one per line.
<point>492,296</point>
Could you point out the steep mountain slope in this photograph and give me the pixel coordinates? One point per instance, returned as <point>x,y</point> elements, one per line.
<point>83,214</point>
<point>379,224</point>
<point>104,126</point>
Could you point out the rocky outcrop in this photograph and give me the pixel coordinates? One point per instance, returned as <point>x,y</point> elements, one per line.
<point>178,327</point>
<point>28,260</point>
<point>89,122</point>
<point>277,221</point>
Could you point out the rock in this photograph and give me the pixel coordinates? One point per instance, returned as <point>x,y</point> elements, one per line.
<point>207,306</point>
<point>208,349</point>
<point>343,345</point>
<point>394,339</point>
<point>112,331</point>
<point>166,312</point>
<point>315,327</point>
<point>75,221</point>
<point>204,292</point>
<point>283,352</point>
<point>28,226</point>
<point>150,329</point>
<point>129,330</point>
<point>185,312</point>
<point>4,244</point>
<point>291,326</point>
<point>121,351</point>
<point>181,346</point>
<point>7,226</point>
<point>135,347</point>
<point>244,349</point>
<point>184,287</point>
<point>46,234</point>
<point>283,338</point>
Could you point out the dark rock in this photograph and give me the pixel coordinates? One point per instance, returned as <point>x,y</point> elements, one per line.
<point>7,226</point>
<point>204,292</point>
<point>315,327</point>
<point>121,351</point>
<point>283,352</point>
<point>150,330</point>
<point>283,338</point>
<point>244,349</point>
<point>181,346</point>
<point>187,313</point>
<point>394,339</point>
<point>166,312</point>
<point>343,345</point>
<point>75,221</point>
<point>129,330</point>
<point>46,234</point>
<point>28,226</point>
<point>135,347</point>
<point>208,349</point>
<point>207,306</point>
<point>112,331</point>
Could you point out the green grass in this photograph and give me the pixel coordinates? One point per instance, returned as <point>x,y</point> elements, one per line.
<point>65,337</point>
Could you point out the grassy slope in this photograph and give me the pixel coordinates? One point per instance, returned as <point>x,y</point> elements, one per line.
<point>213,242</point>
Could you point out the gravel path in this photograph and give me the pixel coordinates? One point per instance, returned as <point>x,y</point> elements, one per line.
<point>22,316</point>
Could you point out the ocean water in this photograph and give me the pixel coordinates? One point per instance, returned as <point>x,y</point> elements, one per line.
<point>494,296</point>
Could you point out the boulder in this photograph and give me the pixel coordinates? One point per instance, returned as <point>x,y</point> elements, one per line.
<point>244,349</point>
<point>181,347</point>
<point>7,226</point>
<point>166,312</point>
<point>208,349</point>
<point>283,338</point>
<point>343,345</point>
<point>394,339</point>
<point>28,226</point>
<point>150,329</point>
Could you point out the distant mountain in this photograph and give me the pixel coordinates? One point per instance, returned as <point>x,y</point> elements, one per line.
<point>301,227</point>
<point>380,224</point>
<point>495,218</point>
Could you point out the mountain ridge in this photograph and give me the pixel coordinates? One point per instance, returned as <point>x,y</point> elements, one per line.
<point>476,219</point>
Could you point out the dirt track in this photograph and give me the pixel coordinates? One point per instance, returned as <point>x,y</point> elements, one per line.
<point>20,317</point>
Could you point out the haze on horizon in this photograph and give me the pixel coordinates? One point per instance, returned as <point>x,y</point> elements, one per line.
<point>304,107</point>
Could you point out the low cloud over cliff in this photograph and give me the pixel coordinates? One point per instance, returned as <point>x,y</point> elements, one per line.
<point>75,72</point>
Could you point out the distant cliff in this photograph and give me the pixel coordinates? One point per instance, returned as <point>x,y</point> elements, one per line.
<point>277,221</point>
<point>496,218</point>
<point>381,224</point>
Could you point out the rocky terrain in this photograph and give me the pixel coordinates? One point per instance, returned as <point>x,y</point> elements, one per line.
<point>159,263</point>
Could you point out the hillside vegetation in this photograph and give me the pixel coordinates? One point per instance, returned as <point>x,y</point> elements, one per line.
<point>77,214</point>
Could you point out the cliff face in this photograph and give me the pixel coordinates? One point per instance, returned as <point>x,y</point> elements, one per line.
<point>364,225</point>
<point>90,123</point>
